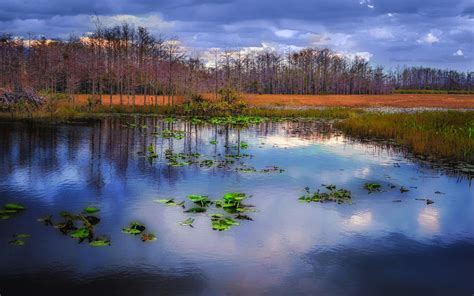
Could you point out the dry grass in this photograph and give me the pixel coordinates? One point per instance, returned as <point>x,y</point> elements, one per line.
<point>455,101</point>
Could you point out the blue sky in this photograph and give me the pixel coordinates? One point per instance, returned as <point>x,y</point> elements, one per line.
<point>437,33</point>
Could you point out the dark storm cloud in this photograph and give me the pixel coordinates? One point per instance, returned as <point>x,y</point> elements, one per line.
<point>433,32</point>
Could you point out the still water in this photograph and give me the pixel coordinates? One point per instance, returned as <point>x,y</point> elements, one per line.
<point>371,246</point>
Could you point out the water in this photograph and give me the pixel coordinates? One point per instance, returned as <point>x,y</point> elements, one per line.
<point>372,246</point>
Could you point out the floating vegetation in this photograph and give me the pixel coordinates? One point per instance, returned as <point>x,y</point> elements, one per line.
<point>201,200</point>
<point>372,187</point>
<point>170,202</point>
<point>243,217</point>
<point>213,142</point>
<point>196,210</point>
<point>238,156</point>
<point>100,242</point>
<point>148,237</point>
<point>175,134</point>
<point>244,145</point>
<point>232,203</point>
<point>221,223</point>
<point>403,189</point>
<point>188,222</point>
<point>19,239</point>
<point>429,201</point>
<point>332,195</point>
<point>135,228</point>
<point>91,210</point>
<point>207,163</point>
<point>180,159</point>
<point>11,209</point>
<point>169,119</point>
<point>80,226</point>
<point>151,152</point>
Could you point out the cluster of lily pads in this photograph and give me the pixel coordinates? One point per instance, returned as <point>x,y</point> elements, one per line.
<point>376,187</point>
<point>136,228</point>
<point>332,194</point>
<point>231,204</point>
<point>80,226</point>
<point>10,210</point>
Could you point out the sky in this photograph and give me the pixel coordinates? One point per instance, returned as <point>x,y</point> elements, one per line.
<point>437,33</point>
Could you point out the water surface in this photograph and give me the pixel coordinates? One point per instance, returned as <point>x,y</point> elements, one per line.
<point>371,246</point>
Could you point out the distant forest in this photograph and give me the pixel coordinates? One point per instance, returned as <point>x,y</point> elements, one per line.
<point>128,60</point>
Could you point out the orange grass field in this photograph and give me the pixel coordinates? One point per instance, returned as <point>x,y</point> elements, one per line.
<point>394,100</point>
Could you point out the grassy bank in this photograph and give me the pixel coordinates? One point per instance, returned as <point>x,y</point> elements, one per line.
<point>447,135</point>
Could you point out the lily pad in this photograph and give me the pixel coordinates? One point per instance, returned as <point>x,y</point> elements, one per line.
<point>223,223</point>
<point>372,187</point>
<point>201,200</point>
<point>100,243</point>
<point>187,222</point>
<point>91,210</point>
<point>403,189</point>
<point>169,202</point>
<point>148,237</point>
<point>135,228</point>
<point>14,207</point>
<point>196,210</point>
<point>81,233</point>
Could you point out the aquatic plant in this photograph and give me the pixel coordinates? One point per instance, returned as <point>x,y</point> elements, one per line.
<point>11,209</point>
<point>100,242</point>
<point>170,202</point>
<point>19,239</point>
<point>221,223</point>
<point>403,189</point>
<point>213,142</point>
<point>91,210</point>
<point>175,134</point>
<point>201,200</point>
<point>151,152</point>
<point>372,187</point>
<point>188,222</point>
<point>148,237</point>
<point>135,228</point>
<point>196,210</point>
<point>332,195</point>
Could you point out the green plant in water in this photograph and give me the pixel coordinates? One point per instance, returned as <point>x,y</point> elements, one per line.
<point>244,145</point>
<point>170,202</point>
<point>10,209</point>
<point>403,189</point>
<point>100,242</point>
<point>196,210</point>
<point>372,187</point>
<point>221,223</point>
<point>135,228</point>
<point>19,239</point>
<point>91,210</point>
<point>188,222</point>
<point>213,142</point>
<point>201,200</point>
<point>148,237</point>
<point>151,152</point>
<point>333,195</point>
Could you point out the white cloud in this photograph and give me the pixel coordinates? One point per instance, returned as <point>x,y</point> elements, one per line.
<point>285,33</point>
<point>429,38</point>
<point>458,53</point>
<point>381,33</point>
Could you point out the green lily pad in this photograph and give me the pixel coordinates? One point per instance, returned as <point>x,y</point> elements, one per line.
<point>169,202</point>
<point>201,200</point>
<point>223,223</point>
<point>14,207</point>
<point>213,142</point>
<point>81,233</point>
<point>187,222</point>
<point>91,210</point>
<point>17,242</point>
<point>135,228</point>
<point>22,236</point>
<point>372,187</point>
<point>100,243</point>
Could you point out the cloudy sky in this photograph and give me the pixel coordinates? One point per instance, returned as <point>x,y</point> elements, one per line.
<point>436,33</point>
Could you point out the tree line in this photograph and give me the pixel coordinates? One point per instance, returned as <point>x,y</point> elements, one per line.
<point>128,60</point>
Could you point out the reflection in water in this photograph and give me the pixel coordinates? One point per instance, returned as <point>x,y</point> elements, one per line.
<point>290,247</point>
<point>428,218</point>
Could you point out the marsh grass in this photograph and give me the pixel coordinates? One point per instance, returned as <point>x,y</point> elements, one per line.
<point>448,135</point>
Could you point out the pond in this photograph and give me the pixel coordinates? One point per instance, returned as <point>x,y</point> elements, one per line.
<point>412,235</point>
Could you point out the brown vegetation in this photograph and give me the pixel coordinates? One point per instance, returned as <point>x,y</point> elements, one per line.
<point>395,100</point>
